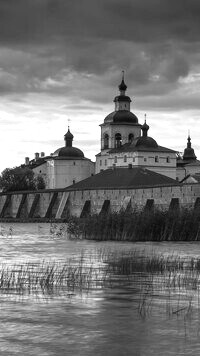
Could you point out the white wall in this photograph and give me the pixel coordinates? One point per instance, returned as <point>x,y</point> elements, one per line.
<point>140,159</point>
<point>124,130</point>
<point>63,172</point>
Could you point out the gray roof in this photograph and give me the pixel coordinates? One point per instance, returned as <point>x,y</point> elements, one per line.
<point>131,147</point>
<point>124,178</point>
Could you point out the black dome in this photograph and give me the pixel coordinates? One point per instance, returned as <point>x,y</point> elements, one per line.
<point>146,142</point>
<point>69,135</point>
<point>121,116</point>
<point>189,154</point>
<point>69,152</point>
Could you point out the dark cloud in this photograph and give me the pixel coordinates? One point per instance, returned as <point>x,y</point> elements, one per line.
<point>78,48</point>
<point>137,20</point>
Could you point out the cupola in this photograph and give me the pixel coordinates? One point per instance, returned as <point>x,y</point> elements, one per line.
<point>189,154</point>
<point>122,101</point>
<point>68,151</point>
<point>68,138</point>
<point>145,140</point>
<point>122,113</point>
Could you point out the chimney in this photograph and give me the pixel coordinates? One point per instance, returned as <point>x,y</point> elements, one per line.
<point>26,161</point>
<point>36,156</point>
<point>42,154</point>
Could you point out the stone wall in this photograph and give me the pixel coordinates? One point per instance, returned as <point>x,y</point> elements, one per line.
<point>58,204</point>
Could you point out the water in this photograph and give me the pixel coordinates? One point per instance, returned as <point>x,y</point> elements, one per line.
<point>108,319</point>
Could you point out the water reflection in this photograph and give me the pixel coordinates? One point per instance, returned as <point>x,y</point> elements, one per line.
<point>122,299</point>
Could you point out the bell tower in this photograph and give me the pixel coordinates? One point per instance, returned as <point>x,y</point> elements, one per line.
<point>121,126</point>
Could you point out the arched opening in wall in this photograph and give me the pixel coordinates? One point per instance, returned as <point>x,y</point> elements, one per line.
<point>118,140</point>
<point>130,137</point>
<point>106,141</point>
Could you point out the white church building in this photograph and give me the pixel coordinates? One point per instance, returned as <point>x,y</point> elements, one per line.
<point>124,143</point>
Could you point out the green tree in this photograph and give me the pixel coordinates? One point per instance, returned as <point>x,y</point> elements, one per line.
<point>20,178</point>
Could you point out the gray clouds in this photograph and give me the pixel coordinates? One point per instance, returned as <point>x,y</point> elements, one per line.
<point>63,47</point>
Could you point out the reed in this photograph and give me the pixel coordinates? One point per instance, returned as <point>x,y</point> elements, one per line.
<point>147,279</point>
<point>154,225</point>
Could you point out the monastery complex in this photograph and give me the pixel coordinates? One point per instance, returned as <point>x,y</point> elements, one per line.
<point>131,171</point>
<point>124,143</point>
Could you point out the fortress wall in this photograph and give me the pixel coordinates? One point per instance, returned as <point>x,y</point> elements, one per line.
<point>119,198</point>
<point>14,205</point>
<point>50,203</point>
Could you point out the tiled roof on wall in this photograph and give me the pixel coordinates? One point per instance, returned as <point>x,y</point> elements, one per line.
<point>124,178</point>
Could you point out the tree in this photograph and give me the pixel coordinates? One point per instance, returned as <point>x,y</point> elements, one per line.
<point>20,178</point>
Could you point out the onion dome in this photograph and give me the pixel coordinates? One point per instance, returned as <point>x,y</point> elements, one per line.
<point>122,113</point>
<point>68,135</point>
<point>68,151</point>
<point>122,87</point>
<point>189,151</point>
<point>121,117</point>
<point>145,140</point>
<point>145,129</point>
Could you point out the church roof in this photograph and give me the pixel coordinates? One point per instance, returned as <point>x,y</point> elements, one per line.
<point>124,178</point>
<point>182,163</point>
<point>121,117</point>
<point>189,154</point>
<point>69,152</point>
<point>147,145</point>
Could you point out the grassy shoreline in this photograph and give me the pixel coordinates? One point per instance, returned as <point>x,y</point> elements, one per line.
<point>155,225</point>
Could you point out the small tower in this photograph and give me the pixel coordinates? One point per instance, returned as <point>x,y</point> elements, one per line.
<point>122,101</point>
<point>68,138</point>
<point>120,126</point>
<point>189,154</point>
<point>145,128</point>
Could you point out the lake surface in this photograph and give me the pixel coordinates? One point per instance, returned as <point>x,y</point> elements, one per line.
<point>128,314</point>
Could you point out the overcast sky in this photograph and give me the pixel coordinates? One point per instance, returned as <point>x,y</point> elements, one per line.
<point>62,59</point>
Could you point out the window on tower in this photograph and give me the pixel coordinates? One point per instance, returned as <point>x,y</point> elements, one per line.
<point>118,140</point>
<point>106,141</point>
<point>130,137</point>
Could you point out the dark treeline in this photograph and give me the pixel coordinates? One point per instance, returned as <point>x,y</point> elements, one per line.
<point>155,225</point>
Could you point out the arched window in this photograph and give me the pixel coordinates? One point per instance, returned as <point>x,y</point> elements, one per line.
<point>118,140</point>
<point>106,141</point>
<point>130,137</point>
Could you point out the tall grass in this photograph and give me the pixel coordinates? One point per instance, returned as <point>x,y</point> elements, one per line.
<point>146,279</point>
<point>46,277</point>
<point>155,225</point>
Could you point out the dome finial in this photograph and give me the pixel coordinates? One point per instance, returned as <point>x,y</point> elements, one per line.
<point>68,124</point>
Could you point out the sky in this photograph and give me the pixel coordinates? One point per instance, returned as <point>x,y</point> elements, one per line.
<point>61,63</point>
